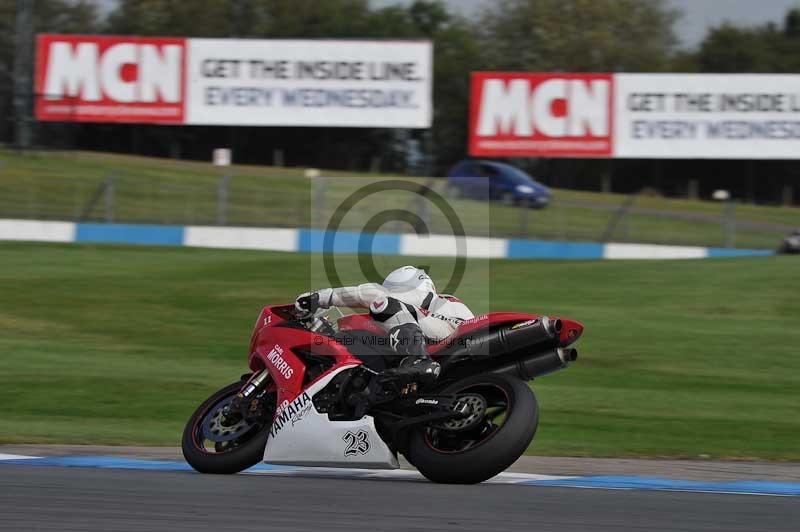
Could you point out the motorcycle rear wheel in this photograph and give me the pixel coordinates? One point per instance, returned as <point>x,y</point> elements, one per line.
<point>478,454</point>
<point>228,457</point>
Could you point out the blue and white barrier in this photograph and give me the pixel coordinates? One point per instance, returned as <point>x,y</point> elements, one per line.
<point>313,241</point>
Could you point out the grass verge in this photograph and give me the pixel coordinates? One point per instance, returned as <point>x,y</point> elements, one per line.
<point>117,345</point>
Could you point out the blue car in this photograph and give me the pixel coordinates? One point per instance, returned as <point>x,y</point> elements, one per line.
<point>487,180</point>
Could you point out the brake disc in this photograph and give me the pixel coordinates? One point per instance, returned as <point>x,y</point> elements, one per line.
<point>476,409</point>
<point>217,428</point>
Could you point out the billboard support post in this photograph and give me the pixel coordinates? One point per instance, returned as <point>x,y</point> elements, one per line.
<point>23,63</point>
<point>788,196</point>
<point>605,183</point>
<point>277,158</point>
<point>693,190</point>
<point>607,178</point>
<point>375,164</point>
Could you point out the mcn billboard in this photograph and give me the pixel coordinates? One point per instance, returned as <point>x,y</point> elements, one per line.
<point>711,116</point>
<point>515,114</point>
<point>234,82</point>
<point>107,79</point>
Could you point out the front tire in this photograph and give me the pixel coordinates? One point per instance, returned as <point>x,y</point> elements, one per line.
<point>231,456</point>
<point>478,454</point>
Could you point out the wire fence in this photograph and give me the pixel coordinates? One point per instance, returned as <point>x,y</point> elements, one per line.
<point>122,198</point>
<point>294,201</point>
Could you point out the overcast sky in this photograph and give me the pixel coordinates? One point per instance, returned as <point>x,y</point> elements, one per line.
<point>698,16</point>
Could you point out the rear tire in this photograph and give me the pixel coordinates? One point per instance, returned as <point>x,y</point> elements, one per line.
<point>248,452</point>
<point>490,456</point>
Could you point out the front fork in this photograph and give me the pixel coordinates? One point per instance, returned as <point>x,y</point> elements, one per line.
<point>246,404</point>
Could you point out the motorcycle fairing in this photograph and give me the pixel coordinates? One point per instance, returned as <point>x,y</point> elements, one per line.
<point>273,346</point>
<point>302,436</point>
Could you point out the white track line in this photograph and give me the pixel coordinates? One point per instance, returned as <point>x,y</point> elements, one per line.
<point>16,457</point>
<point>396,474</point>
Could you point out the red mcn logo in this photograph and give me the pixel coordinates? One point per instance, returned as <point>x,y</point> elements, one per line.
<point>110,79</point>
<point>541,115</point>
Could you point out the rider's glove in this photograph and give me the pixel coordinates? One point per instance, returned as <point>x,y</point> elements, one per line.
<point>307,303</point>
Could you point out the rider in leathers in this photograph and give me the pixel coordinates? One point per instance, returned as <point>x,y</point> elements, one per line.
<point>407,306</point>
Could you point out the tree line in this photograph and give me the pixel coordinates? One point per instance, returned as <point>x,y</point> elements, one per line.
<point>519,35</point>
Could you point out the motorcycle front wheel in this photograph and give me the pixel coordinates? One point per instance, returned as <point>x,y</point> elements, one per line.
<point>504,418</point>
<point>214,443</point>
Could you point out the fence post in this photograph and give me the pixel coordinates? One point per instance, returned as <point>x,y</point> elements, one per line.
<point>76,199</point>
<point>109,198</point>
<point>524,209</point>
<point>222,199</point>
<point>626,229</point>
<point>32,202</point>
<point>618,216</point>
<point>423,207</point>
<point>562,221</point>
<point>320,191</point>
<point>729,223</point>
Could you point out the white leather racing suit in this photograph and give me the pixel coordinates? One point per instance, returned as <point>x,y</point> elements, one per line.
<point>438,316</point>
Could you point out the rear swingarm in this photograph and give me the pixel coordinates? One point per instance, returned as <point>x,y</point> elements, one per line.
<point>430,409</point>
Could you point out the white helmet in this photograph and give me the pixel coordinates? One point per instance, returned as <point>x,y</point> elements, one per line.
<point>409,279</point>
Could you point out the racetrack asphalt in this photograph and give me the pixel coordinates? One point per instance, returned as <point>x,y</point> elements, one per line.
<point>701,470</point>
<point>113,500</point>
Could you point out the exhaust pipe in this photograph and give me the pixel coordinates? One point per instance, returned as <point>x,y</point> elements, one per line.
<point>508,340</point>
<point>539,335</point>
<point>540,364</point>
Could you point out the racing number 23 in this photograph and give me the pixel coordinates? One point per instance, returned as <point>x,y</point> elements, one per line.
<point>356,443</point>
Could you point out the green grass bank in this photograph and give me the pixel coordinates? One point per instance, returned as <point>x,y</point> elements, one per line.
<point>117,345</point>
<point>66,186</point>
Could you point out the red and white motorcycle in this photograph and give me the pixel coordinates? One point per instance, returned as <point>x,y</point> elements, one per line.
<point>317,395</point>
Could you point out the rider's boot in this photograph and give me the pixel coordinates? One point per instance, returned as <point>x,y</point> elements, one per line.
<point>417,365</point>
